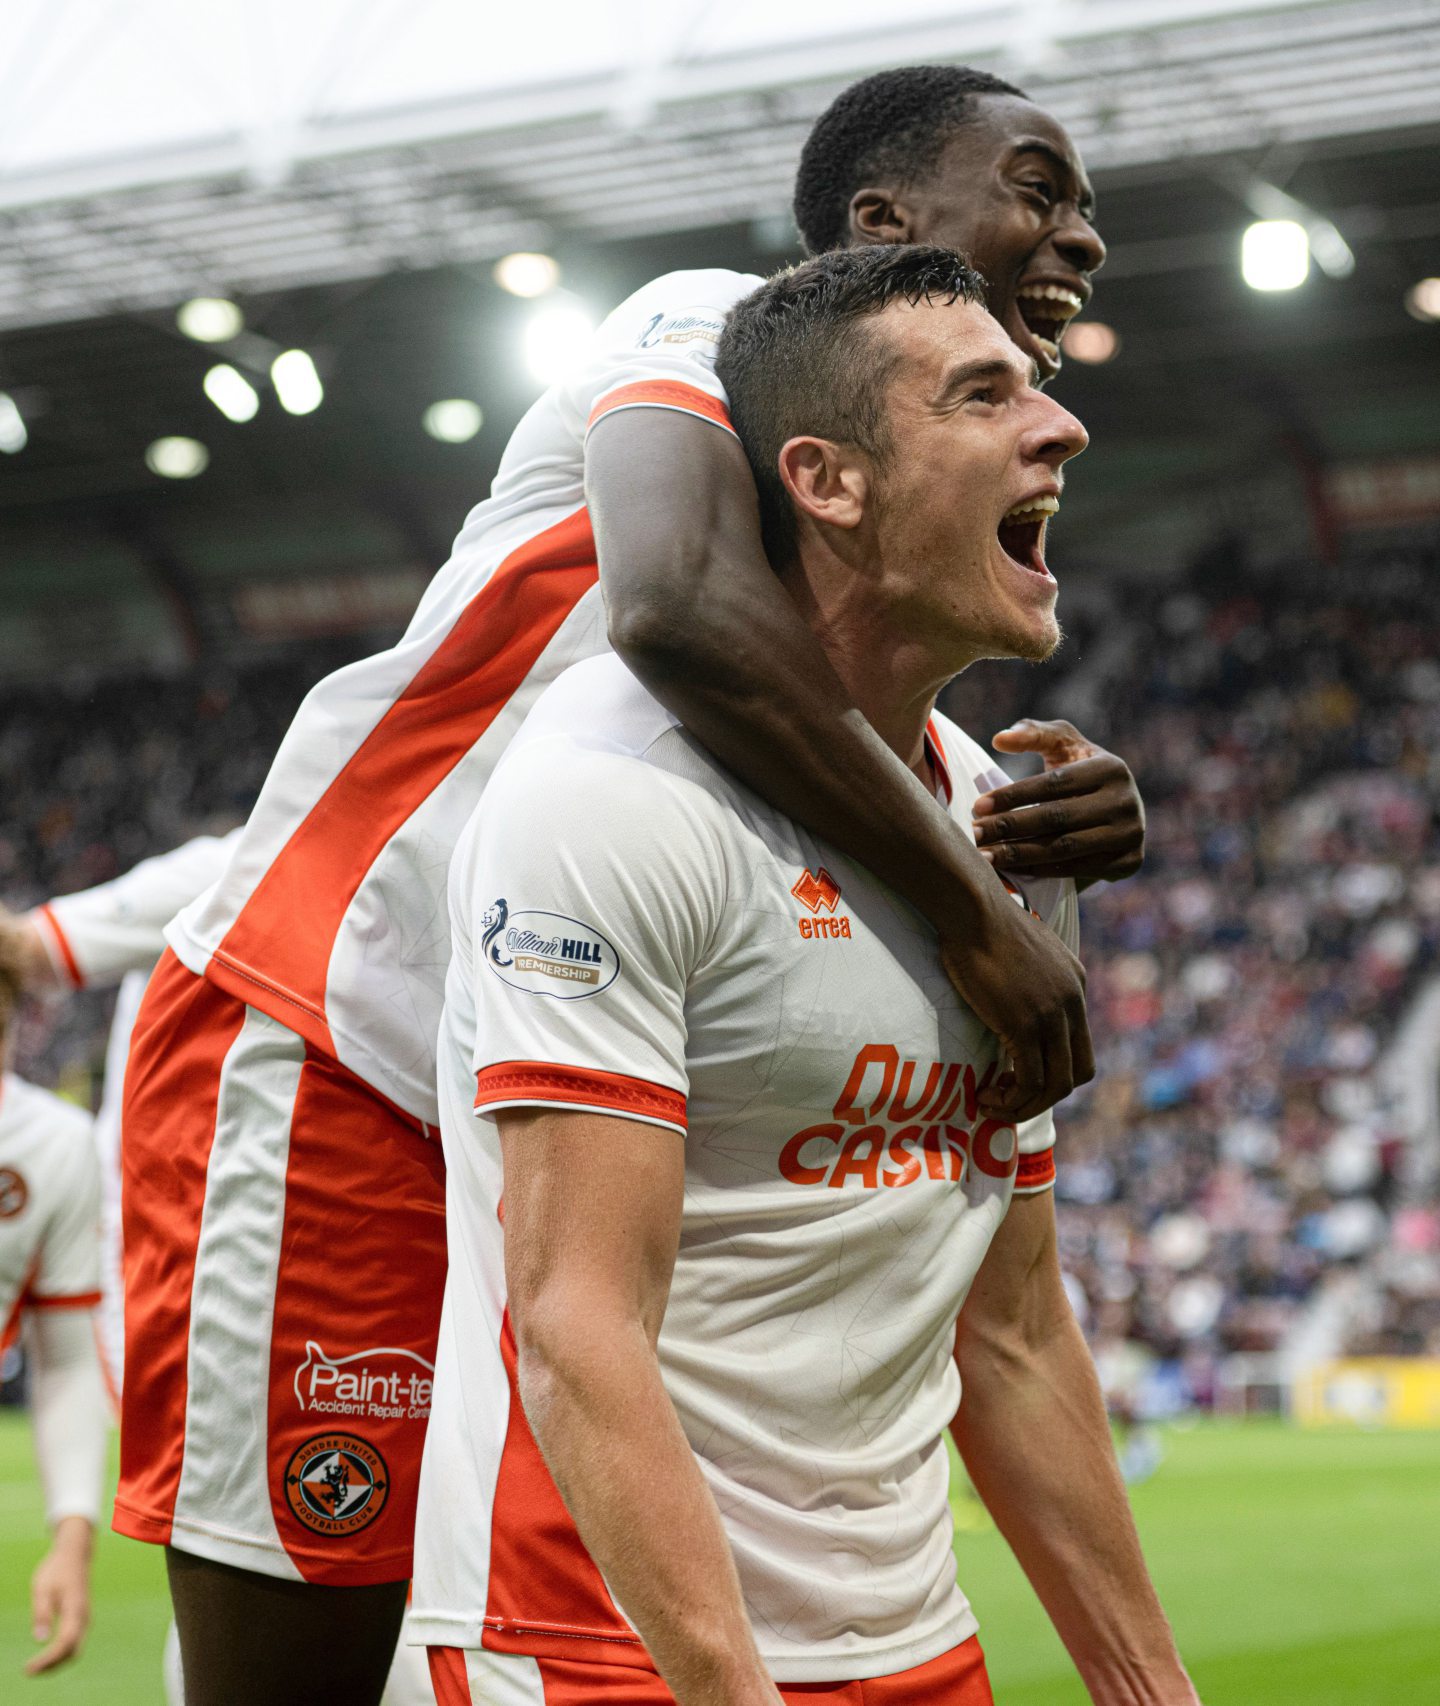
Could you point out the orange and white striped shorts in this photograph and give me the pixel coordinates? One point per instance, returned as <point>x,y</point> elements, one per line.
<point>284,1235</point>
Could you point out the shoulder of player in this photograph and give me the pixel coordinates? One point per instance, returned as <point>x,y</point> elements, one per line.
<point>593,749</point>
<point>697,290</point>
<point>45,1124</point>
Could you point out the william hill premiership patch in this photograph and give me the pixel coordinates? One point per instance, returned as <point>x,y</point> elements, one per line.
<point>546,953</point>
<point>336,1484</point>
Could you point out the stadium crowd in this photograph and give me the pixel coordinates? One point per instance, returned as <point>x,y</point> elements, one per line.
<point>1235,1146</point>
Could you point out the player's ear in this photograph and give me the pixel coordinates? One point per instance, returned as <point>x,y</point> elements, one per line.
<point>826,481</point>
<point>881,215</point>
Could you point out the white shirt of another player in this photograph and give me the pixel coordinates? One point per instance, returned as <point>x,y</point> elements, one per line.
<point>636,933</point>
<point>96,936</point>
<point>114,933</point>
<point>332,916</point>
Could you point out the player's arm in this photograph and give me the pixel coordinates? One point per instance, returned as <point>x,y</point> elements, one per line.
<point>592,1223</point>
<point>90,939</point>
<point>1034,1437</point>
<point>1080,816</point>
<point>68,1416</point>
<point>698,614</point>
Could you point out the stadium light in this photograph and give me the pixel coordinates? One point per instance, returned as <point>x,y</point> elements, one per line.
<point>1422,300</point>
<point>296,382</point>
<point>232,393</point>
<point>1091,340</point>
<point>13,436</point>
<point>524,274</point>
<point>1275,255</point>
<point>210,319</point>
<point>555,339</point>
<point>453,420</point>
<point>177,458</point>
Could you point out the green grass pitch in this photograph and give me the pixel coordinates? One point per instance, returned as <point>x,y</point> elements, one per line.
<point>1299,1570</point>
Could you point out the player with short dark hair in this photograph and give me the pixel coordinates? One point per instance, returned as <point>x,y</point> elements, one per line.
<point>691,1396</point>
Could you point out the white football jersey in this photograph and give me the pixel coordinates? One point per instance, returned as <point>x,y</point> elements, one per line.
<point>49,1204</point>
<point>635,932</point>
<point>331,917</point>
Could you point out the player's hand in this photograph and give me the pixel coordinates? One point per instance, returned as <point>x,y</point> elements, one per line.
<point>60,1595</point>
<point>22,948</point>
<point>1081,816</point>
<point>1026,986</point>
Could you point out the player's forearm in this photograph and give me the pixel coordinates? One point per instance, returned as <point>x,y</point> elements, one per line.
<point>747,677</point>
<point>68,1412</point>
<point>614,1445</point>
<point>1033,1433</point>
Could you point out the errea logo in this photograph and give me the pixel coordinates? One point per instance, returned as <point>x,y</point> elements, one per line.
<point>819,892</point>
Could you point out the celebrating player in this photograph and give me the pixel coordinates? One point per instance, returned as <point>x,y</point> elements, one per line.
<point>49,1286</point>
<point>284,1192</point>
<point>711,1075</point>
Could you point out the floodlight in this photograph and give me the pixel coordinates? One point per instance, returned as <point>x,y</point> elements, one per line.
<point>525,274</point>
<point>232,393</point>
<point>177,458</point>
<point>1275,255</point>
<point>555,340</point>
<point>210,319</point>
<point>13,436</point>
<point>296,382</point>
<point>1422,300</point>
<point>1090,340</point>
<point>453,420</point>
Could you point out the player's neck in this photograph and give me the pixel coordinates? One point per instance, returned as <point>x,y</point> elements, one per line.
<point>892,678</point>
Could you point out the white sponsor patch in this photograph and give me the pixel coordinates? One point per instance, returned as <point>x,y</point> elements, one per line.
<point>383,1383</point>
<point>694,330</point>
<point>547,953</point>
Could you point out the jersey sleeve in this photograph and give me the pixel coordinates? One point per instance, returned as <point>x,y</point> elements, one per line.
<point>657,350</point>
<point>67,1272</point>
<point>597,889</point>
<point>97,935</point>
<point>1035,1139</point>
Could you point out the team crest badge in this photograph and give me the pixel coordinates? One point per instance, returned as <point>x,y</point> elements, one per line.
<point>14,1192</point>
<point>336,1484</point>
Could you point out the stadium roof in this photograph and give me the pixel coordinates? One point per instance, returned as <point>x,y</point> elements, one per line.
<point>157,149</point>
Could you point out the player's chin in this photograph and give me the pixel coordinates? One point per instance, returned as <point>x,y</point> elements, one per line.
<point>1030,634</point>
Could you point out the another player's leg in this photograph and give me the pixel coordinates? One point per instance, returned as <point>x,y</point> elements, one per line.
<point>248,1637</point>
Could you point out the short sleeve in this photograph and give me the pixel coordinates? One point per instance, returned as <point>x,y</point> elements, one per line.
<point>97,935</point>
<point>657,350</point>
<point>595,891</point>
<point>67,1273</point>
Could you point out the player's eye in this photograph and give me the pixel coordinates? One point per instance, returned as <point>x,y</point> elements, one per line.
<point>1042,188</point>
<point>984,394</point>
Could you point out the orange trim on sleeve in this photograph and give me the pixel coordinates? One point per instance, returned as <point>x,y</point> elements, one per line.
<point>1036,1171</point>
<point>539,1081</point>
<point>76,1300</point>
<point>936,749</point>
<point>62,945</point>
<point>663,394</point>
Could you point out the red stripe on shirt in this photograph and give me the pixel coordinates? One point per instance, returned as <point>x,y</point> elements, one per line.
<point>538,1081</point>
<point>75,1300</point>
<point>62,944</point>
<point>281,943</point>
<point>1035,1171</point>
<point>662,394</point>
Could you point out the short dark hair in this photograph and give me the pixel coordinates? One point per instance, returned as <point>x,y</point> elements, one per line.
<point>892,127</point>
<point>796,357</point>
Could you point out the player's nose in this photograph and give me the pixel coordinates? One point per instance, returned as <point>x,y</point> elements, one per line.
<point>1079,244</point>
<point>1055,435</point>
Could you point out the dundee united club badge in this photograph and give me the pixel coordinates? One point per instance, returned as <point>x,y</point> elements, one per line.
<point>336,1484</point>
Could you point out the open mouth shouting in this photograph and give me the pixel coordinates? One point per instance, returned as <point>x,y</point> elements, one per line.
<point>1045,308</point>
<point>1022,533</point>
